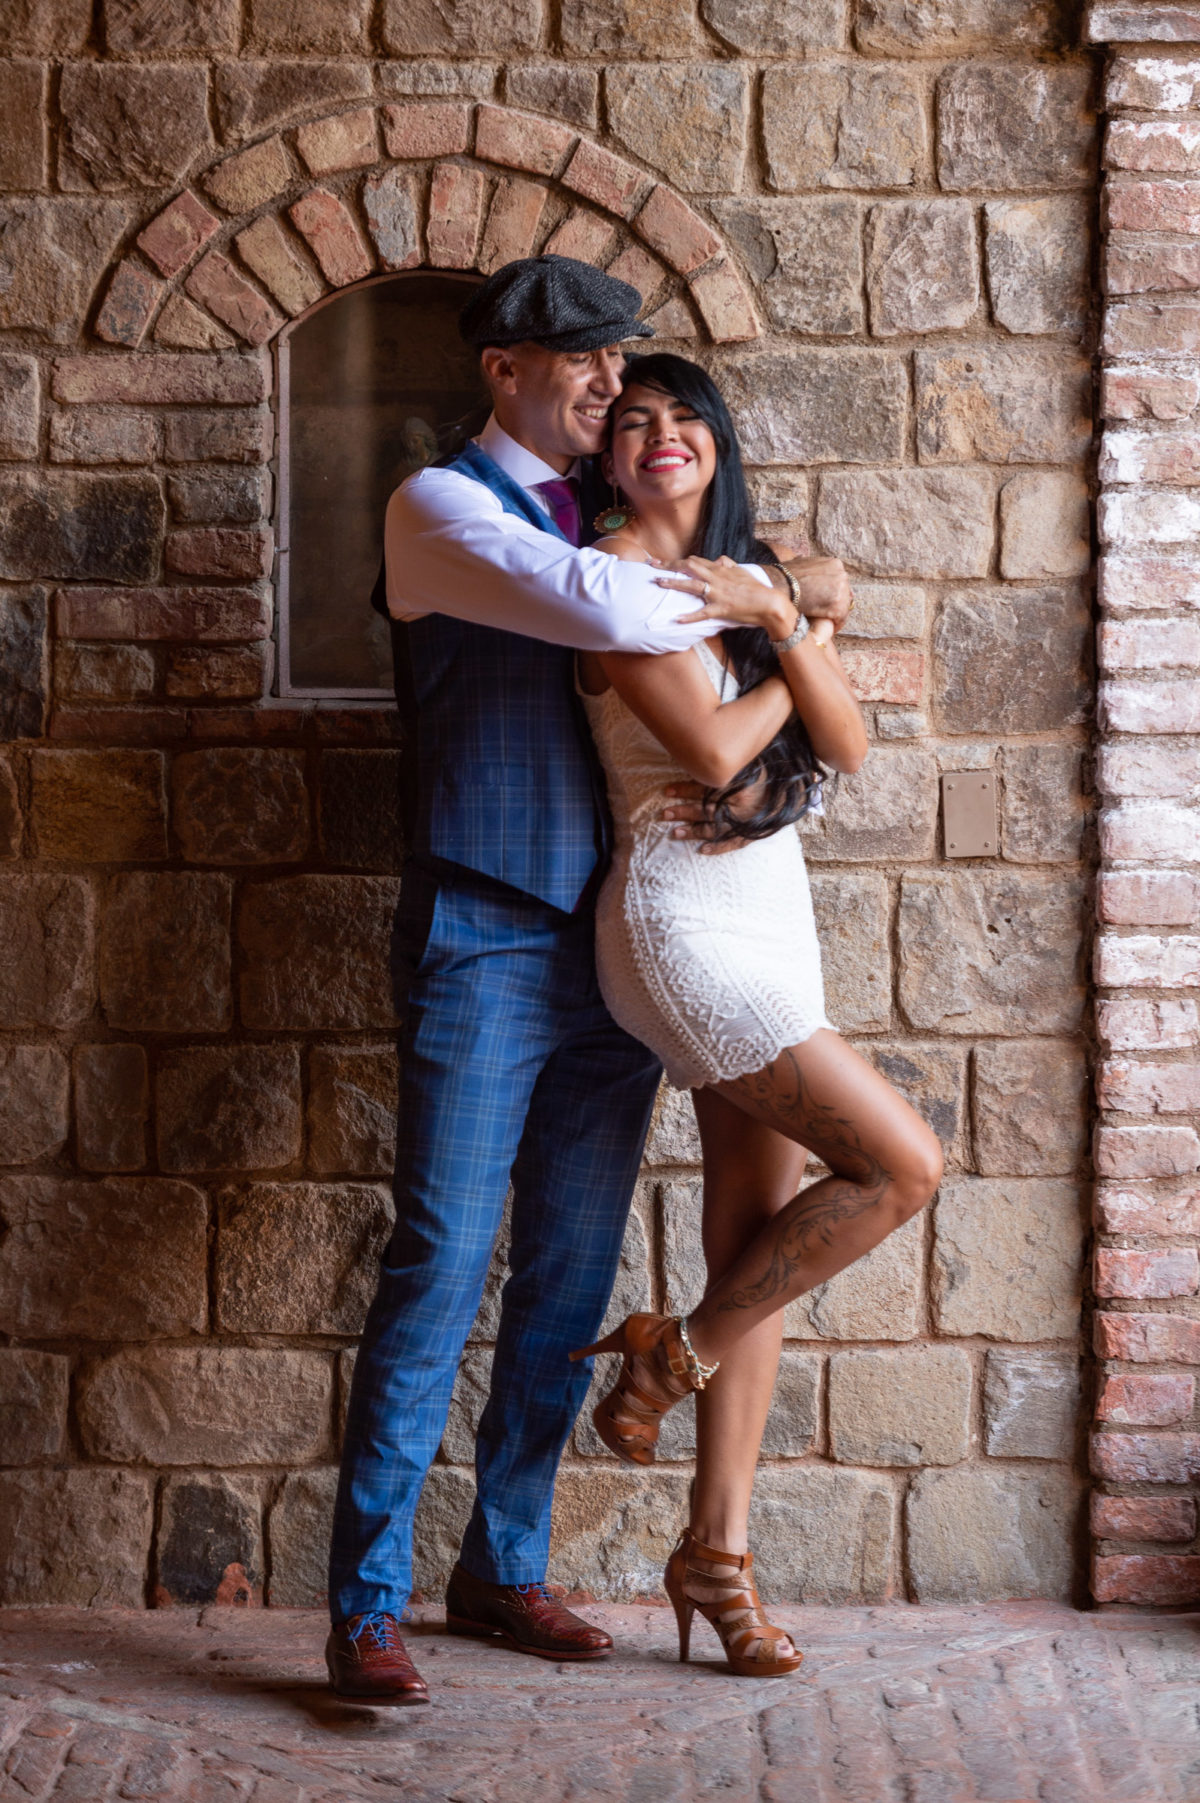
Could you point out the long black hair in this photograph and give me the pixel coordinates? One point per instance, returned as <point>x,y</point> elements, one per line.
<point>786,770</point>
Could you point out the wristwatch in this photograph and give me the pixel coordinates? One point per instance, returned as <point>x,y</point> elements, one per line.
<point>793,638</point>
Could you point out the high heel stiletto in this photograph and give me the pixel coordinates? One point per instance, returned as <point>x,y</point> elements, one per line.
<point>734,1612</point>
<point>627,1418</point>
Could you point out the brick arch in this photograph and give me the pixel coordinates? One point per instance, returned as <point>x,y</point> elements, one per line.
<point>448,185</point>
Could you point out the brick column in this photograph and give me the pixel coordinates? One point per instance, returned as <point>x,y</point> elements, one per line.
<point>1146,1444</point>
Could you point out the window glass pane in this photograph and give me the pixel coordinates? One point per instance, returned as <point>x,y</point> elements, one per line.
<point>378,383</point>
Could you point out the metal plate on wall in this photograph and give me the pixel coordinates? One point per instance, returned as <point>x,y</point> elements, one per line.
<point>969,827</point>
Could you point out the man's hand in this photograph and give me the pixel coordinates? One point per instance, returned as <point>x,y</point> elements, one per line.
<point>695,816</point>
<point>824,588</point>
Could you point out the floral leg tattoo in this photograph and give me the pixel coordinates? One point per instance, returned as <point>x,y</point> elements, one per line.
<point>781,1096</point>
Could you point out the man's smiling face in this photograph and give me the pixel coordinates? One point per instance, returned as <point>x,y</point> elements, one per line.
<point>555,403</point>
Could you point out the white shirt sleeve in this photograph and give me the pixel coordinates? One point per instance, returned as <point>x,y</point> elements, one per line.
<point>452,548</point>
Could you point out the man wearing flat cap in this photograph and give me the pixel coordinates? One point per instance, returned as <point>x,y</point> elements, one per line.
<point>511,1068</point>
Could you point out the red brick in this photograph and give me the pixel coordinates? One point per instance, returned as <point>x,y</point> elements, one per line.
<point>669,225</point>
<point>884,673</point>
<point>1137,326</point>
<point>1135,264</point>
<point>177,233</point>
<point>1134,454</point>
<point>1132,580</point>
<point>1141,1209</point>
<point>1153,206</point>
<point>1139,961</point>
<point>1162,1578</point>
<point>164,378</point>
<point>1147,1339</point>
<point>190,614</point>
<point>333,237</point>
<point>582,235</point>
<point>119,725</point>
<point>1157,83</point>
<point>228,674</point>
<point>637,267</point>
<point>216,284</point>
<point>1149,1088</point>
<point>1146,1401</point>
<point>133,294</point>
<point>237,436</point>
<point>250,725</point>
<point>219,551</point>
<point>271,254</point>
<point>455,206</point>
<point>414,129</point>
<point>513,220</point>
<point>1112,23</point>
<point>1154,832</point>
<point>1151,898</point>
<point>1141,391</point>
<point>345,141</point>
<point>1146,1458</point>
<point>1146,1276</point>
<point>1143,1517</point>
<point>1148,1026</point>
<point>725,306</point>
<point>1169,145</point>
<point>1160,769</point>
<point>1146,707</point>
<point>520,140</point>
<point>608,180</point>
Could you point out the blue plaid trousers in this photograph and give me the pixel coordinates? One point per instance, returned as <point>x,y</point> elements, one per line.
<point>509,1063</point>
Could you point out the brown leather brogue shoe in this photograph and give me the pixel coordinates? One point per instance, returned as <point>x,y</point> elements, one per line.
<point>527,1616</point>
<point>367,1659</point>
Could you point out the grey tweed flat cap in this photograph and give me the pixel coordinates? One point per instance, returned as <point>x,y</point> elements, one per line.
<point>559,302</point>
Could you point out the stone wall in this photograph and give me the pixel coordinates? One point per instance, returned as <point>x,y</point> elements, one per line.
<point>875,226</point>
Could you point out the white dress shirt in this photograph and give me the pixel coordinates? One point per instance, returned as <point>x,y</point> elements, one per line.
<point>453,549</point>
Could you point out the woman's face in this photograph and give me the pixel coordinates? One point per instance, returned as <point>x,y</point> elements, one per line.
<point>661,450</point>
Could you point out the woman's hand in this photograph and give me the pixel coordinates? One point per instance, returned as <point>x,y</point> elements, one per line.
<point>731,594</point>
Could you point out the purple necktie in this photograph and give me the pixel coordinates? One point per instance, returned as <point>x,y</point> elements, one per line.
<point>563,496</point>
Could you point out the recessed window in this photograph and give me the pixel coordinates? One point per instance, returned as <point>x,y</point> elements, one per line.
<point>374,382</point>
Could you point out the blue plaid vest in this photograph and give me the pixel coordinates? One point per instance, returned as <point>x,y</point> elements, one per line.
<point>501,775</point>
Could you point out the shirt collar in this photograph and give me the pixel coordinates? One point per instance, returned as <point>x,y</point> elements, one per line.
<point>523,466</point>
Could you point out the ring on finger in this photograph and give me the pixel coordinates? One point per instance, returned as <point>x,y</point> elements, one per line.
<point>704,588</point>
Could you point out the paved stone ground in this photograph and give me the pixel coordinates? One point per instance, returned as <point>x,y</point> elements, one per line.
<point>1012,1703</point>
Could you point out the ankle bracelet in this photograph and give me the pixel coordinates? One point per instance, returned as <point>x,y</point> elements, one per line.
<point>699,1373</point>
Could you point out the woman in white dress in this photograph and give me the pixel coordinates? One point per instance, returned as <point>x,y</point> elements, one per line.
<point>712,960</point>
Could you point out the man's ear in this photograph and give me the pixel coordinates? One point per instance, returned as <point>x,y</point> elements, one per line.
<point>499,369</point>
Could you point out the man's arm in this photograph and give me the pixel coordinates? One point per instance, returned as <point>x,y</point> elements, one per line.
<point>453,549</point>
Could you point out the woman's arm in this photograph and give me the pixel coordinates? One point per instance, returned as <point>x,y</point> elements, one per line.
<point>673,696</point>
<point>824,699</point>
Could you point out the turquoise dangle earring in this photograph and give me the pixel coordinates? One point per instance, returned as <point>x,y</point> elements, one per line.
<point>616,517</point>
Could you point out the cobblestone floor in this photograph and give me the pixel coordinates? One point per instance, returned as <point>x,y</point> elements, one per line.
<point>1010,1703</point>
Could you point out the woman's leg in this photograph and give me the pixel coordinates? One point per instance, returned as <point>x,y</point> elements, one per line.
<point>885,1164</point>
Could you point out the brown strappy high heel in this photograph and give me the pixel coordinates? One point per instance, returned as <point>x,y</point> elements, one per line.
<point>627,1418</point>
<point>732,1608</point>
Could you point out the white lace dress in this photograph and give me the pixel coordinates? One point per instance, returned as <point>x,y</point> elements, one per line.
<point>712,962</point>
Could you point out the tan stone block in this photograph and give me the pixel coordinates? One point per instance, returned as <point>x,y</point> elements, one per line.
<point>34,1116</point>
<point>236,674</point>
<point>299,1258</point>
<point>776,27</point>
<point>322,27</point>
<point>674,321</point>
<point>165,961</point>
<point>852,911</point>
<point>641,271</point>
<point>724,304</point>
<point>79,526</point>
<point>1015,125</point>
<point>47,936</point>
<point>34,1387</point>
<point>673,1136</point>
<point>985,951</point>
<point>822,406</point>
<point>622,28</point>
<point>1007,405</point>
<point>20,406</point>
<point>1031,1403</point>
<point>70,1264</point>
<point>53,253</point>
<point>829,125</point>
<point>513,221</point>
<point>32,27</point>
<point>219,435</point>
<point>345,141</point>
<point>935,26</point>
<point>103,672</point>
<point>1011,660</point>
<point>805,257</point>
<point>333,236</point>
<point>101,806</point>
<point>352,1109</point>
<point>229,1108</point>
<point>932,1079</point>
<point>561,89</point>
<point>687,119</point>
<point>182,326</point>
<point>441,1521</point>
<point>317,952</point>
<point>213,1406</point>
<point>391,209</point>
<point>79,1538</point>
<point>256,96</point>
<point>133,27</point>
<point>250,178</point>
<point>922,266</point>
<point>471,1385</point>
<point>900,1408</point>
<point>1008,1257</point>
<point>300,1524</point>
<point>423,28</point>
<point>910,522</point>
<point>1045,525</point>
<point>822,1535</point>
<point>361,809</point>
<point>886,610</point>
<point>23,134</point>
<point>209,1544</point>
<point>112,1102</point>
<point>82,437</point>
<point>881,1297</point>
<point>980,1535</point>
<point>234,497</point>
<point>131,125</point>
<point>240,805</point>
<point>612,1531</point>
<point>1038,263</point>
<point>1044,811</point>
<point>1029,1108</point>
<point>11,822</point>
<point>23,663</point>
<point>886,810</point>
